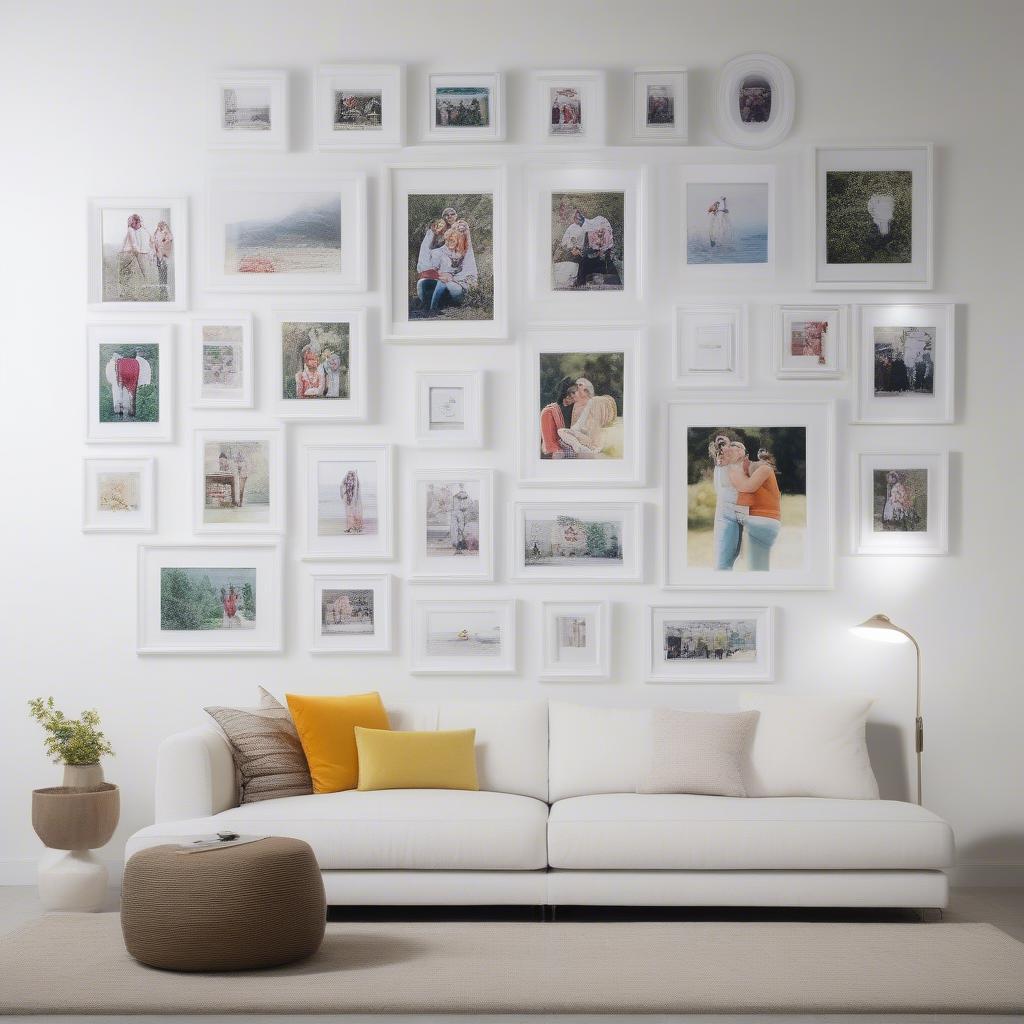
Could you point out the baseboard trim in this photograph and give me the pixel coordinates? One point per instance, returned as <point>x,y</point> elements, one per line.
<point>987,875</point>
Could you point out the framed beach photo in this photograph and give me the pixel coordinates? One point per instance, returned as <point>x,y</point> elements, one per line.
<point>466,107</point>
<point>575,541</point>
<point>444,254</point>
<point>755,101</point>
<point>349,509</point>
<point>118,495</point>
<point>809,342</point>
<point>360,106</point>
<point>351,614</point>
<point>248,110</point>
<point>320,364</point>
<point>463,637</point>
<point>449,409</point>
<point>222,361</point>
<point>902,503</point>
<point>576,640</point>
<point>750,495</point>
<point>710,645</point>
<point>129,383</point>
<point>281,235</point>
<point>138,254</point>
<point>580,408</point>
<point>209,599</point>
<point>906,363</point>
<point>569,108</point>
<point>660,106</point>
<point>452,526</point>
<point>239,484</point>
<point>710,346</point>
<point>872,218</point>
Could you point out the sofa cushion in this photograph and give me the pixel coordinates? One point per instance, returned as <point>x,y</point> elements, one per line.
<point>412,829</point>
<point>642,831</point>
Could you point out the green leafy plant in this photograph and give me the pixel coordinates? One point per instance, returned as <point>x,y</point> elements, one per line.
<point>74,741</point>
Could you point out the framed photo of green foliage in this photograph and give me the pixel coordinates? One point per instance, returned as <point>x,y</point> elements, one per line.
<point>872,217</point>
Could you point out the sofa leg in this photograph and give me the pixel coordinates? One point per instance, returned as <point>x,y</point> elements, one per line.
<point>552,912</point>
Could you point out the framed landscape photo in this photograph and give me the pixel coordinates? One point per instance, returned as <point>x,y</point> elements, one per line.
<point>902,503</point>
<point>452,538</point>
<point>249,110</point>
<point>449,409</point>
<point>580,408</point>
<point>320,362</point>
<point>467,107</point>
<point>119,496</point>
<point>239,482</point>
<point>750,495</point>
<point>755,101</point>
<point>576,541</point>
<point>569,108</point>
<point>872,222</point>
<point>360,106</point>
<point>349,509</point>
<point>445,255</point>
<point>660,106</point>
<point>463,637</point>
<point>138,254</point>
<point>810,342</point>
<point>209,599</point>
<point>576,640</point>
<point>281,235</point>
<point>710,346</point>
<point>710,645</point>
<point>129,383</point>
<point>906,363</point>
<point>222,361</point>
<point>351,613</point>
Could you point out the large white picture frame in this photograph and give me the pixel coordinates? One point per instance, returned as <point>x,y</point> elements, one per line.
<point>463,637</point>
<point>350,613</point>
<point>248,110</point>
<point>223,361</point>
<point>359,106</point>
<point>449,408</point>
<point>576,640</point>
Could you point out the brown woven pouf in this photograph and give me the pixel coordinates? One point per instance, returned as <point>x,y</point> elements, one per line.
<point>227,908</point>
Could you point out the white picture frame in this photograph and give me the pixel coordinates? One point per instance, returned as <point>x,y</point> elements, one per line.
<point>554,353</point>
<point>651,87</point>
<point>439,629</point>
<point>403,249</point>
<point>110,489</point>
<point>876,209</point>
<point>226,565</point>
<point>576,640</point>
<point>711,345</point>
<point>551,543</point>
<point>240,125</point>
<point>255,208</point>
<point>806,549</point>
<point>901,506</point>
<point>444,497</point>
<point>340,628</point>
<point>373,503</point>
<point>820,331</point>
<point>321,330</point>
<point>490,82</point>
<point>703,644</point>
<point>250,461</point>
<point>580,96</point>
<point>887,396</point>
<point>449,408</point>
<point>353,129</point>
<point>209,331</point>
<point>740,117</point>
<point>119,266</point>
<point>112,402</point>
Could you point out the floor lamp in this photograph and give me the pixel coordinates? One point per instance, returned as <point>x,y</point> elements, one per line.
<point>882,628</point>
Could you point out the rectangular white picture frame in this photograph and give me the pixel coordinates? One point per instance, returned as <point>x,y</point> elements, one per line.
<point>118,495</point>
<point>810,342</point>
<point>449,408</point>
<point>223,361</point>
<point>710,345</point>
<point>576,640</point>
<point>350,613</point>
<point>359,107</point>
<point>463,637</point>
<point>456,101</point>
<point>569,108</point>
<point>661,106</point>
<point>248,110</point>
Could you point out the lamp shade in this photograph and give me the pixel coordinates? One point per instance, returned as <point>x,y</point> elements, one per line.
<point>881,628</point>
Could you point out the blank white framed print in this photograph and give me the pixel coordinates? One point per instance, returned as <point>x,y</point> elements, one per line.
<point>710,346</point>
<point>449,408</point>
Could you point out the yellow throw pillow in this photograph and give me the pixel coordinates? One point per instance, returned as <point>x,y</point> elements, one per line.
<point>416,760</point>
<point>325,727</point>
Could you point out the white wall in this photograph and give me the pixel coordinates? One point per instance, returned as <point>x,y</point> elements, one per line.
<point>107,98</point>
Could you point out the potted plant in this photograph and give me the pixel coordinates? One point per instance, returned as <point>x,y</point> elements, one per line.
<point>76,743</point>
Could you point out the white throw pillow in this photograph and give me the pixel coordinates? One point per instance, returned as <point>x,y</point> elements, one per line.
<point>809,746</point>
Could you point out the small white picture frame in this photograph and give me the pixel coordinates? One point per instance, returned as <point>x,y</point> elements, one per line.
<point>576,638</point>
<point>248,110</point>
<point>710,644</point>
<point>901,504</point>
<point>449,408</point>
<point>465,107</point>
<point>359,106</point>
<point>661,106</point>
<point>223,369</point>
<point>710,346</point>
<point>350,613</point>
<point>463,637</point>
<point>809,342</point>
<point>755,100</point>
<point>569,108</point>
<point>118,495</point>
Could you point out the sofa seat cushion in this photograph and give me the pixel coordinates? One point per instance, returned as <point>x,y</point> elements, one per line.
<point>639,831</point>
<point>412,829</point>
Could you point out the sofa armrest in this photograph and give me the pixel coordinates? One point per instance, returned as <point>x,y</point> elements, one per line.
<point>195,775</point>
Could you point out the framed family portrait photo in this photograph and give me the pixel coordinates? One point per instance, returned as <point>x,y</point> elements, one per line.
<point>710,346</point>
<point>755,101</point>
<point>351,614</point>
<point>463,637</point>
<point>576,640</point>
<point>444,254</point>
<point>222,361</point>
<point>660,106</point>
<point>360,106</point>
<point>466,107</point>
<point>248,110</point>
<point>452,538</point>
<point>449,409</point>
<point>810,342</point>
<point>569,108</point>
<point>750,495</point>
<point>119,495</point>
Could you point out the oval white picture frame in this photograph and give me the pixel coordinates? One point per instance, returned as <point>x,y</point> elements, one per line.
<point>731,127</point>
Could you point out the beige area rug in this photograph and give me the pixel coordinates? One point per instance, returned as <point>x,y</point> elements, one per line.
<point>76,963</point>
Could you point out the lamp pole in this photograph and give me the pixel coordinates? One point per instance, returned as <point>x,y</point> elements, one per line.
<point>918,719</point>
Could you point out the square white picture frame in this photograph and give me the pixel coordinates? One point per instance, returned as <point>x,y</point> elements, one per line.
<point>240,125</point>
<point>576,640</point>
<point>711,346</point>
<point>580,99</point>
<point>208,393</point>
<point>463,637</point>
<point>487,87</point>
<point>106,504</point>
<point>365,83</point>
<point>337,628</point>
<point>651,88</point>
<point>449,408</point>
<point>821,331</point>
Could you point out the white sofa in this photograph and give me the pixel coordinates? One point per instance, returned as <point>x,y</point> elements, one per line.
<point>563,825</point>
